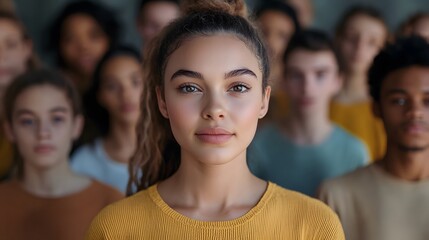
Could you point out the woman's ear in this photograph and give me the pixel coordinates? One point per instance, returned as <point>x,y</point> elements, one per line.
<point>265,102</point>
<point>161,102</point>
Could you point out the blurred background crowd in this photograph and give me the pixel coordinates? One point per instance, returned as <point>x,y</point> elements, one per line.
<point>320,124</point>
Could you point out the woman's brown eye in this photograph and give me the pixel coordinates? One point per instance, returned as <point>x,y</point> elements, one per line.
<point>240,88</point>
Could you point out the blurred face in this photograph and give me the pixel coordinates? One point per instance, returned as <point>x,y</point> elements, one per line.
<point>213,98</point>
<point>82,43</point>
<point>120,89</point>
<point>422,28</point>
<point>277,29</point>
<point>15,52</point>
<point>43,126</point>
<point>311,79</point>
<point>404,108</point>
<point>304,9</point>
<point>361,41</point>
<point>154,17</point>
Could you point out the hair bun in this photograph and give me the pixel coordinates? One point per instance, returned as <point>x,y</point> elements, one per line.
<point>232,7</point>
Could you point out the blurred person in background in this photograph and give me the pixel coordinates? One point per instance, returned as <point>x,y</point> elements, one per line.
<point>46,200</point>
<point>307,148</point>
<point>153,16</point>
<point>277,22</point>
<point>417,24</point>
<point>360,35</point>
<point>112,103</point>
<point>16,57</point>
<point>305,11</point>
<point>7,6</point>
<point>389,199</point>
<point>79,36</point>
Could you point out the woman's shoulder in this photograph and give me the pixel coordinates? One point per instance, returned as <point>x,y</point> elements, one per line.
<point>120,217</point>
<point>297,212</point>
<point>296,201</point>
<point>308,208</point>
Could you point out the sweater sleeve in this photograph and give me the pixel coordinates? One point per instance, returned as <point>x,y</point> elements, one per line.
<point>99,228</point>
<point>323,223</point>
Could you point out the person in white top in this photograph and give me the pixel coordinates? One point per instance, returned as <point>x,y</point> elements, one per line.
<point>112,104</point>
<point>390,198</point>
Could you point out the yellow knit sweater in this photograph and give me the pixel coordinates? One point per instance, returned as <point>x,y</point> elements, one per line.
<point>280,214</point>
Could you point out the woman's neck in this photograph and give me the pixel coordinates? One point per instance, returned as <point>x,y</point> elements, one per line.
<point>212,192</point>
<point>121,142</point>
<point>355,89</point>
<point>57,181</point>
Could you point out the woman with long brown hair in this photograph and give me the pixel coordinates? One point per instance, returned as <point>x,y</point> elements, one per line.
<point>205,92</point>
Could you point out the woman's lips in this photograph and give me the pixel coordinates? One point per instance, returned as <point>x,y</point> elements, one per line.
<point>214,135</point>
<point>306,102</point>
<point>128,108</point>
<point>44,149</point>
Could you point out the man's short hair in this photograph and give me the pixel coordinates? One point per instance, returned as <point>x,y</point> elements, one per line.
<point>405,52</point>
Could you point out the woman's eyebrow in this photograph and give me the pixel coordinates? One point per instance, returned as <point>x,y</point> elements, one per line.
<point>186,73</point>
<point>239,72</point>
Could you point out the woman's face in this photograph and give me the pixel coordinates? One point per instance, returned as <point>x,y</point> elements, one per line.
<point>362,39</point>
<point>15,52</point>
<point>154,17</point>
<point>277,29</point>
<point>83,42</point>
<point>120,89</point>
<point>421,28</point>
<point>43,126</point>
<point>213,98</point>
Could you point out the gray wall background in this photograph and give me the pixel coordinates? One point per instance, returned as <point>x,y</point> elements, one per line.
<point>37,14</point>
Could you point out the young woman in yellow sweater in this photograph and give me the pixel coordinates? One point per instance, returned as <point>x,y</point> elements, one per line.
<point>205,92</point>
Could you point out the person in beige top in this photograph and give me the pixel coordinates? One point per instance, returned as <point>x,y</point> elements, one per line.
<point>390,198</point>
